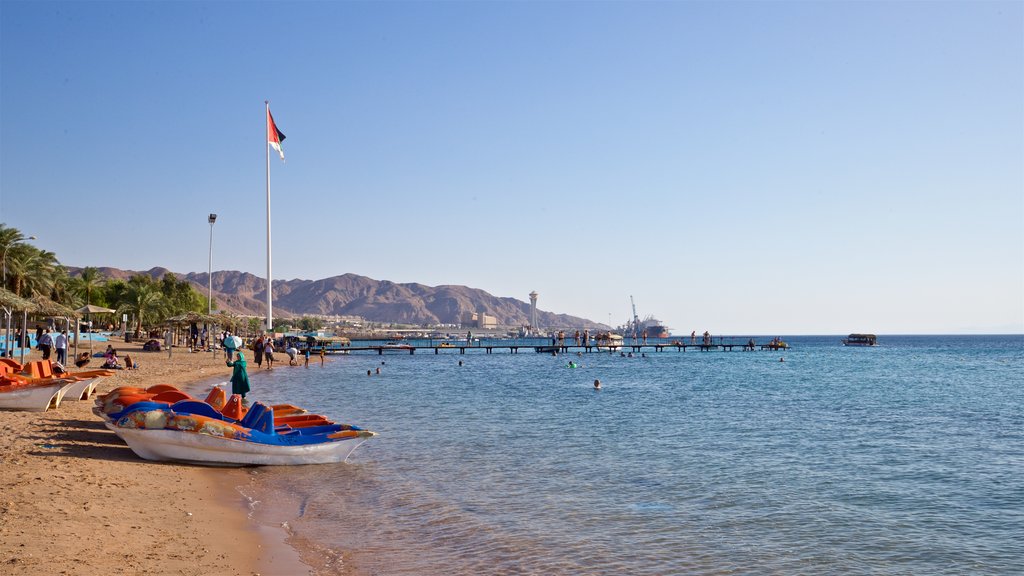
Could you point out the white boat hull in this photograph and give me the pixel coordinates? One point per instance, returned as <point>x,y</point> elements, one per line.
<point>217,451</point>
<point>34,398</point>
<point>82,389</point>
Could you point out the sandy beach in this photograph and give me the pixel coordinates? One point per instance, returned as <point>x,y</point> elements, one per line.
<point>77,500</point>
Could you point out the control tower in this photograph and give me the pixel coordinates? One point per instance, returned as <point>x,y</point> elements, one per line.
<point>533,312</point>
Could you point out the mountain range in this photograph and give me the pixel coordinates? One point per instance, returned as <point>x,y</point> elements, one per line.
<point>379,301</point>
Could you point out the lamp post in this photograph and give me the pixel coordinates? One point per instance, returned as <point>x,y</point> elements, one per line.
<point>9,313</point>
<point>209,303</point>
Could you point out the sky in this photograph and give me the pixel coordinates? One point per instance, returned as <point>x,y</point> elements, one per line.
<point>737,167</point>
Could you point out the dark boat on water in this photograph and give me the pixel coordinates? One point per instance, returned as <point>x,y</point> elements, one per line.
<point>860,340</point>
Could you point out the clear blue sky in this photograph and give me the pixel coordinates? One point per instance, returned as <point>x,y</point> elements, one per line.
<point>738,167</point>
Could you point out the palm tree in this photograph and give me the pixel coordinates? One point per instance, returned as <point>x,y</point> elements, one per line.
<point>31,271</point>
<point>145,300</point>
<point>9,238</point>
<point>87,283</point>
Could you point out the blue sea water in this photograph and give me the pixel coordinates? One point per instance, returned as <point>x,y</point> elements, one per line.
<point>906,458</point>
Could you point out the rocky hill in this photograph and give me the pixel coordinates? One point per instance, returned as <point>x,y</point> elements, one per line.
<point>354,295</point>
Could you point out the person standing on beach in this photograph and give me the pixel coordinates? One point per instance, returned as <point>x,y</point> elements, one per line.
<point>61,344</point>
<point>239,376</point>
<point>46,344</point>
<point>257,351</point>
<point>268,353</point>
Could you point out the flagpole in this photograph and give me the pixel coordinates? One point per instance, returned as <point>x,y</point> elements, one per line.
<point>270,314</point>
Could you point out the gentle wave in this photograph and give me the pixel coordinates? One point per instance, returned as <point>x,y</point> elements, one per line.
<point>907,458</point>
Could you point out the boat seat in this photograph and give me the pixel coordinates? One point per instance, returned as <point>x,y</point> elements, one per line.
<point>259,417</point>
<point>171,396</point>
<point>233,408</point>
<point>217,397</point>
<point>196,408</point>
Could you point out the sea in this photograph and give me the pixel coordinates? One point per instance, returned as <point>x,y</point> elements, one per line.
<point>904,458</point>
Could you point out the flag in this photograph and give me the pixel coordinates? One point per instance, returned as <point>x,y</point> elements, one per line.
<point>274,136</point>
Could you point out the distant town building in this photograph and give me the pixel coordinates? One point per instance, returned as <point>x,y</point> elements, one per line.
<point>479,320</point>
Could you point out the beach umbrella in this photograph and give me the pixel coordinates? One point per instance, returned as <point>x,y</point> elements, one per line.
<point>87,310</point>
<point>94,309</point>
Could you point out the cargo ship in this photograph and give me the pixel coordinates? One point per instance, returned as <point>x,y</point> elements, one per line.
<point>651,325</point>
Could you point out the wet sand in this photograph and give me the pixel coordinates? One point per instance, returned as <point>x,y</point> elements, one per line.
<point>77,500</point>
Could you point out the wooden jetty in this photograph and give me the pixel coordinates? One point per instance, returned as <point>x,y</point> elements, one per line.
<point>514,348</point>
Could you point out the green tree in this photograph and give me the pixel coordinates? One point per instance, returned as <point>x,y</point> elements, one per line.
<point>307,324</point>
<point>9,238</point>
<point>87,284</point>
<point>31,271</point>
<point>144,299</point>
<point>181,296</point>
<point>113,294</point>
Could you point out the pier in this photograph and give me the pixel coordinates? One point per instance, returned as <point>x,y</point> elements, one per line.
<point>514,348</point>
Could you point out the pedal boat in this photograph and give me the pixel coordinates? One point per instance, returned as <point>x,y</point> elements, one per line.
<point>195,432</point>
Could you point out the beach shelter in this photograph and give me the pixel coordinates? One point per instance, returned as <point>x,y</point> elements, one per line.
<point>189,318</point>
<point>87,310</point>
<point>11,303</point>
<point>47,307</point>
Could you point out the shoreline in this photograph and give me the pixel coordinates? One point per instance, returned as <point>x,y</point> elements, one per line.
<point>77,500</point>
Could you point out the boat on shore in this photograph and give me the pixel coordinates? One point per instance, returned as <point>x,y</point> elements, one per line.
<point>860,340</point>
<point>196,433</point>
<point>32,396</point>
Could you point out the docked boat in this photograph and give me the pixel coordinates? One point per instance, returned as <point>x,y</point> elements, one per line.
<point>860,340</point>
<point>195,432</point>
<point>396,347</point>
<point>650,327</point>
<point>608,341</point>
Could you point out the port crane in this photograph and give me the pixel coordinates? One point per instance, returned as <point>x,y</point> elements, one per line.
<point>636,319</point>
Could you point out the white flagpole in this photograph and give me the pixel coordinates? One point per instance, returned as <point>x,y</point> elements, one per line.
<point>270,313</point>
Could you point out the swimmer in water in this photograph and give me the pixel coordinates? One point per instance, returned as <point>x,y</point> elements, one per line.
<point>597,384</point>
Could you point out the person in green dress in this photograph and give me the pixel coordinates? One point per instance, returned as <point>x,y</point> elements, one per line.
<point>239,378</point>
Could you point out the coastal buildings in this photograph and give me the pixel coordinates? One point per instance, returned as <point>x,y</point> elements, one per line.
<point>479,320</point>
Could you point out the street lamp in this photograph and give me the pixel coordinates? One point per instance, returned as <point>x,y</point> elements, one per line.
<point>209,303</point>
<point>7,333</point>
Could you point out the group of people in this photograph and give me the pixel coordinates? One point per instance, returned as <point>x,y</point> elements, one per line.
<point>263,351</point>
<point>47,343</point>
<point>111,361</point>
